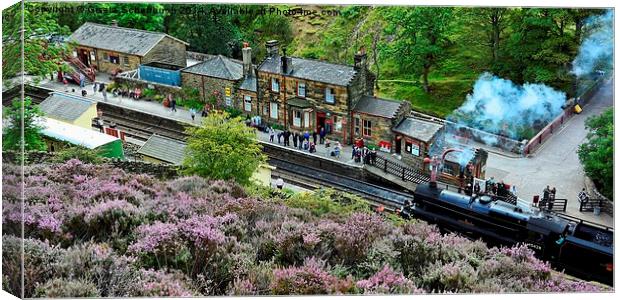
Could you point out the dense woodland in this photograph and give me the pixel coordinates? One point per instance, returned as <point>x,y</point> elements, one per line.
<point>428,55</point>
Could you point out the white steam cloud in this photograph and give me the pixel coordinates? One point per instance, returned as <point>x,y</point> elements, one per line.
<point>597,48</point>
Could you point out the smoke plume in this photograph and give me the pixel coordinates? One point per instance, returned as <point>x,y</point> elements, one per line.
<point>597,48</point>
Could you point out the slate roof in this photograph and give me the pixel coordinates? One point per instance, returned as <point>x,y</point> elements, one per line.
<point>298,102</point>
<point>119,39</point>
<point>219,67</point>
<point>248,84</point>
<point>309,69</point>
<point>418,129</point>
<point>378,107</point>
<point>65,107</point>
<point>163,148</point>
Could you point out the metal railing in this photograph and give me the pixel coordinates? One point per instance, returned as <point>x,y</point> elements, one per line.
<point>604,205</point>
<point>396,169</point>
<point>555,205</point>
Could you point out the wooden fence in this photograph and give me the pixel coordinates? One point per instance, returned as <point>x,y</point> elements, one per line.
<point>396,169</point>
<point>557,205</point>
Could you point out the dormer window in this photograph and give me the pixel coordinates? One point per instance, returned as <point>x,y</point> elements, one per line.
<point>329,95</point>
<point>275,85</point>
<point>301,89</point>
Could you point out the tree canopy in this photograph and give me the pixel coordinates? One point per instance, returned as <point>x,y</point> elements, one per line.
<point>12,134</point>
<point>41,56</point>
<point>597,153</point>
<point>223,148</point>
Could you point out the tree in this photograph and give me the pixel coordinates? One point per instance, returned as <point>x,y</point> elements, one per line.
<point>12,134</point>
<point>421,38</point>
<point>147,16</point>
<point>597,153</point>
<point>223,148</point>
<point>206,27</point>
<point>40,56</point>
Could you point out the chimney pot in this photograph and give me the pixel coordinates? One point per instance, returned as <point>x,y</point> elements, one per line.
<point>272,48</point>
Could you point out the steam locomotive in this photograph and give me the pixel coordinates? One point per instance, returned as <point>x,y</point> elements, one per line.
<point>578,248</point>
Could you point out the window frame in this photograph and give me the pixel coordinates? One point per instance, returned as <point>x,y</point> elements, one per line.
<point>272,110</point>
<point>357,125</point>
<point>328,92</point>
<point>247,100</point>
<point>366,128</point>
<point>275,82</point>
<point>299,85</point>
<point>297,121</point>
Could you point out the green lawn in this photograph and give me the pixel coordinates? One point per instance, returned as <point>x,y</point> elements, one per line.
<point>445,96</point>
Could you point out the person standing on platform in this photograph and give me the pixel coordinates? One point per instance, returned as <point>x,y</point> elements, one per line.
<point>300,141</point>
<point>307,136</point>
<point>546,193</point>
<point>95,84</point>
<point>192,111</point>
<point>322,135</point>
<point>287,138</point>
<point>280,134</point>
<point>173,104</point>
<point>314,137</point>
<point>272,134</point>
<point>295,136</point>
<point>104,92</point>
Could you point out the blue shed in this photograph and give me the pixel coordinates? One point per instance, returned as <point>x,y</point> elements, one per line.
<point>160,73</point>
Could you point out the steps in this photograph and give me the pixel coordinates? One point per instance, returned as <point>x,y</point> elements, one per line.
<point>79,68</point>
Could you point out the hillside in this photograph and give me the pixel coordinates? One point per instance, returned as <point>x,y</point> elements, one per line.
<point>96,231</point>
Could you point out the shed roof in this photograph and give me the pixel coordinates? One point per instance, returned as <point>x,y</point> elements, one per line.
<point>119,39</point>
<point>74,134</point>
<point>65,107</point>
<point>164,149</point>
<point>418,129</point>
<point>314,70</point>
<point>378,107</point>
<point>219,67</point>
<point>299,102</point>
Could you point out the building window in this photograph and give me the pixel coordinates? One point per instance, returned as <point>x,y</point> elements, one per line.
<point>273,110</point>
<point>112,58</point>
<point>275,85</point>
<point>329,95</point>
<point>337,123</point>
<point>367,128</point>
<point>247,103</point>
<point>357,126</point>
<point>412,147</point>
<point>126,61</point>
<point>265,110</point>
<point>447,169</point>
<point>301,89</point>
<point>306,119</point>
<point>296,118</point>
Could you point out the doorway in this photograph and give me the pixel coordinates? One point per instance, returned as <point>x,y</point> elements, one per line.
<point>397,144</point>
<point>320,121</point>
<point>85,57</point>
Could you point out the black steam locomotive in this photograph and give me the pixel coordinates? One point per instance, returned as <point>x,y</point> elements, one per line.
<point>579,248</point>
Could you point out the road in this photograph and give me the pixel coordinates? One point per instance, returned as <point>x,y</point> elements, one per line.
<point>556,163</point>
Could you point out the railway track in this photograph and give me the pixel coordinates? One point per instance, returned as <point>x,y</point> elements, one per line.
<point>312,178</point>
<point>36,94</point>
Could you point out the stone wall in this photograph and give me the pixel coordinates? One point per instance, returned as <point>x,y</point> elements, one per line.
<point>168,50</point>
<point>108,67</point>
<point>207,86</point>
<point>381,129</point>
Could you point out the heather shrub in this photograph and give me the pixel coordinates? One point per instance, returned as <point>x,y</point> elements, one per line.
<point>387,281</point>
<point>312,278</point>
<point>162,284</point>
<point>40,260</point>
<point>117,234</point>
<point>63,288</point>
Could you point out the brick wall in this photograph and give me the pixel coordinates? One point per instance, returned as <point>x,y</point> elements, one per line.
<point>208,85</point>
<point>105,66</point>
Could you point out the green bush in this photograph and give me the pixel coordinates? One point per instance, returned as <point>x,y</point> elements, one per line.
<point>78,152</point>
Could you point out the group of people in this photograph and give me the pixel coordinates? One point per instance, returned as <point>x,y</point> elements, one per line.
<point>135,93</point>
<point>499,189</point>
<point>363,154</point>
<point>549,196</point>
<point>301,140</point>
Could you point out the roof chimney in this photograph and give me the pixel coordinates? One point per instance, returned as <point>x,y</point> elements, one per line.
<point>247,59</point>
<point>286,63</point>
<point>359,60</point>
<point>114,23</point>
<point>272,48</point>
